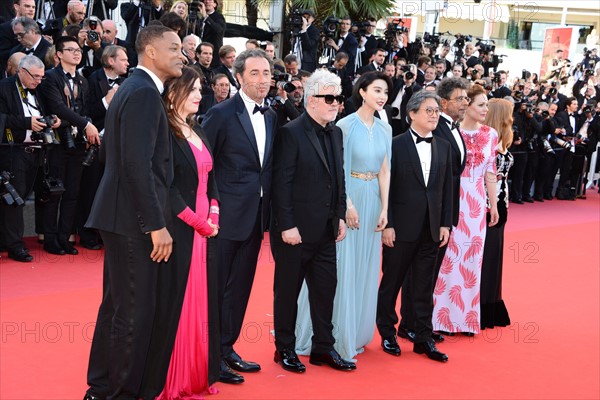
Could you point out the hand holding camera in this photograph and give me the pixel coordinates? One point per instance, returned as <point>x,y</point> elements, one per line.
<point>91,134</point>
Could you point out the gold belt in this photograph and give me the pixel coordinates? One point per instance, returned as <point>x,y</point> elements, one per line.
<point>365,176</point>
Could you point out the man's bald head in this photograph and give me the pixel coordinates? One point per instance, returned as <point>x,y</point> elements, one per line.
<point>12,64</point>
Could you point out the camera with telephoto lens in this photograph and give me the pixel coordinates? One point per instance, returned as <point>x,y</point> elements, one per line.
<point>330,26</point>
<point>528,106</point>
<point>545,114</point>
<point>92,35</point>
<point>547,146</point>
<point>296,21</point>
<point>193,8</point>
<point>284,81</point>
<point>362,27</point>
<point>562,143</point>
<point>90,155</point>
<point>51,187</point>
<point>47,135</point>
<point>552,92</point>
<point>8,192</point>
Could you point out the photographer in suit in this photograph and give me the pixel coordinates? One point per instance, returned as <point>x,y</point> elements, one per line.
<point>213,26</point>
<point>65,93</point>
<point>310,37</point>
<point>91,59</point>
<point>347,43</point>
<point>75,14</point>
<point>137,14</point>
<point>24,113</point>
<point>103,84</point>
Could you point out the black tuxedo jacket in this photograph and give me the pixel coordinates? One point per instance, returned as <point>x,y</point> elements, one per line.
<point>443,131</point>
<point>410,200</point>
<point>302,181</point>
<point>350,46</point>
<point>40,51</point>
<point>131,16</point>
<point>11,108</point>
<point>310,46</point>
<point>7,43</point>
<point>563,118</point>
<point>367,68</point>
<point>221,69</point>
<point>53,93</point>
<point>238,171</point>
<point>213,32</point>
<point>133,196</point>
<point>99,87</point>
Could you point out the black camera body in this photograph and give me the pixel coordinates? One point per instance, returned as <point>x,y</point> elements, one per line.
<point>296,21</point>
<point>330,26</point>
<point>8,192</point>
<point>92,35</point>
<point>284,80</point>
<point>193,8</point>
<point>47,135</point>
<point>51,187</point>
<point>90,155</point>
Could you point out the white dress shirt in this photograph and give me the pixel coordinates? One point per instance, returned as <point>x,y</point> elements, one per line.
<point>30,110</point>
<point>258,124</point>
<point>456,135</point>
<point>424,151</point>
<point>159,85</point>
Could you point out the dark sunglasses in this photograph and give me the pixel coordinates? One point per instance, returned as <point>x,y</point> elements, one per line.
<point>329,98</point>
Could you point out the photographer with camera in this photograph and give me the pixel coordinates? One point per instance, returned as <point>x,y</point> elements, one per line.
<point>586,89</point>
<point>571,121</point>
<point>402,91</point>
<point>558,68</point>
<point>547,154</point>
<point>345,42</point>
<point>137,14</point>
<point>213,25</point>
<point>65,93</point>
<point>551,95</point>
<point>499,89</point>
<point>526,129</point>
<point>553,130</point>
<point>368,41</point>
<point>93,46</point>
<point>75,14</point>
<point>288,100</point>
<point>25,131</point>
<point>309,40</point>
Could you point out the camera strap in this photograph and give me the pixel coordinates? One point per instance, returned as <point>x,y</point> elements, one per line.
<point>24,98</point>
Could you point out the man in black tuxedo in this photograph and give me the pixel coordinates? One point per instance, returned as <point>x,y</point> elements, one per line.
<point>103,84</point>
<point>377,64</point>
<point>131,210</point>
<point>109,36</point>
<point>347,43</point>
<point>65,92</point>
<point>22,109</point>
<point>227,56</point>
<point>136,20</point>
<point>310,37</point>
<point>339,68</point>
<point>454,103</point>
<point>93,46</point>
<point>241,131</point>
<point>213,26</point>
<point>308,165</point>
<point>419,221</point>
<point>370,41</point>
<point>22,8</point>
<point>30,38</point>
<point>571,121</point>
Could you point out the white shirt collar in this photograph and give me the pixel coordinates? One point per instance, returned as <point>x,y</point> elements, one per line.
<point>159,85</point>
<point>446,117</point>
<point>414,138</point>
<point>249,103</point>
<point>36,44</point>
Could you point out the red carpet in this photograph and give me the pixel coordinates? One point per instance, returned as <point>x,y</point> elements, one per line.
<point>551,350</point>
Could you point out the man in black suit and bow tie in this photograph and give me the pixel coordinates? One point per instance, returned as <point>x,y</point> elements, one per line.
<point>308,165</point>
<point>30,38</point>
<point>419,221</point>
<point>241,131</point>
<point>20,105</point>
<point>347,43</point>
<point>103,84</point>
<point>454,103</point>
<point>377,63</point>
<point>131,210</point>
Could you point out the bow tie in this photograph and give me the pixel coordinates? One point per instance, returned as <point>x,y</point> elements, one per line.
<point>422,139</point>
<point>28,51</point>
<point>258,108</point>
<point>571,115</point>
<point>456,125</point>
<point>113,81</point>
<point>327,129</point>
<point>69,76</point>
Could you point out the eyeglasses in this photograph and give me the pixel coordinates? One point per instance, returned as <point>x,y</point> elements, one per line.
<point>36,77</point>
<point>431,111</point>
<point>329,98</point>
<point>460,99</point>
<point>73,50</point>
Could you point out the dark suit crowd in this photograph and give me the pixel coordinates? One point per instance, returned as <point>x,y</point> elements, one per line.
<point>61,80</point>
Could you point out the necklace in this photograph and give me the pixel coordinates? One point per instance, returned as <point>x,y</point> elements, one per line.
<point>369,128</point>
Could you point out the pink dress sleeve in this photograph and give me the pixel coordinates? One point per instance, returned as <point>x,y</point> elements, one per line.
<point>195,221</point>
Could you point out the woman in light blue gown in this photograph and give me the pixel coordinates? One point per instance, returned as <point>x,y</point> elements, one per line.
<point>367,152</point>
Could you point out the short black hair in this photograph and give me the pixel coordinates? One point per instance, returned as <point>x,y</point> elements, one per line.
<point>60,42</point>
<point>148,35</point>
<point>365,81</point>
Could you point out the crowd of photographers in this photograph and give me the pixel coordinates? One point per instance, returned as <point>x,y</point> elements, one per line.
<point>63,63</point>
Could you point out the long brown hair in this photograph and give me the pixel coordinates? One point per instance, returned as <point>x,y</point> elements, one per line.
<point>500,117</point>
<point>175,95</point>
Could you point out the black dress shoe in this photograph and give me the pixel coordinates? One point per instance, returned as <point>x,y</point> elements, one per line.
<point>333,359</point>
<point>429,349</point>
<point>288,359</point>
<point>548,197</point>
<point>91,245</point>
<point>518,201</point>
<point>54,249</point>
<point>20,255</point>
<point>68,248</point>
<point>527,199</point>
<point>235,362</point>
<point>539,198</point>
<point>469,334</point>
<point>227,375</point>
<point>406,334</point>
<point>437,337</point>
<point>390,346</point>
<point>445,333</point>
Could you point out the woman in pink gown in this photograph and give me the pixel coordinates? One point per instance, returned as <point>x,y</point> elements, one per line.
<point>191,370</point>
<point>456,294</point>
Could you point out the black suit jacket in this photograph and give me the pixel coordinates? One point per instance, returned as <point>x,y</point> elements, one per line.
<point>131,16</point>
<point>302,181</point>
<point>133,196</point>
<point>7,43</point>
<point>7,11</point>
<point>213,32</point>
<point>350,46</point>
<point>367,68</point>
<point>11,108</point>
<point>238,171</point>
<point>99,87</point>
<point>310,46</point>
<point>410,200</point>
<point>443,131</point>
<point>563,117</point>
<point>40,51</point>
<point>221,69</point>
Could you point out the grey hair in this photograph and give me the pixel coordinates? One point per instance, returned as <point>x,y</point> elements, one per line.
<point>449,85</point>
<point>239,65</point>
<point>27,23</point>
<point>320,79</point>
<point>31,61</point>
<point>415,101</point>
